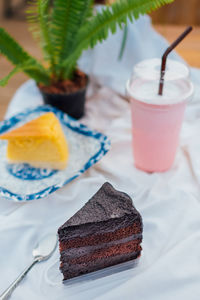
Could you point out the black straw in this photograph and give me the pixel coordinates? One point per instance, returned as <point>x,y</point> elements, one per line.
<point>165,55</point>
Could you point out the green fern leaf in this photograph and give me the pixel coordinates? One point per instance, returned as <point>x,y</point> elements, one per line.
<point>19,57</point>
<point>97,29</point>
<point>123,44</point>
<point>34,70</point>
<point>28,68</point>
<point>38,18</point>
<point>68,17</point>
<point>11,49</point>
<point>5,80</point>
<point>18,68</point>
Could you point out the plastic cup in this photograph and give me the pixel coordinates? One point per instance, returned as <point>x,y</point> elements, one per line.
<point>157,120</point>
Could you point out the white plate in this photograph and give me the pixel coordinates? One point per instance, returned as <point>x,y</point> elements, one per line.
<point>21,182</point>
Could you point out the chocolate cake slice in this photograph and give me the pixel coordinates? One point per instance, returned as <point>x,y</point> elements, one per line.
<point>106,231</point>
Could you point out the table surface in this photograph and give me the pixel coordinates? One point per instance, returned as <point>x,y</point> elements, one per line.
<point>189,49</point>
<point>168,202</point>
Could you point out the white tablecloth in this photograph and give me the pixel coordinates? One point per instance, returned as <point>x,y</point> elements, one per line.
<point>168,202</point>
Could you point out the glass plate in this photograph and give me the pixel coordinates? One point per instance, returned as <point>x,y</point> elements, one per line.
<point>21,182</point>
<point>53,275</point>
<point>90,285</point>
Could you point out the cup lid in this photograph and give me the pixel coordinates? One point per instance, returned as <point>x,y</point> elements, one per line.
<point>144,82</point>
<point>150,69</point>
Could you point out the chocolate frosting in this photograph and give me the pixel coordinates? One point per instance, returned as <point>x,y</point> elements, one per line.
<point>105,205</point>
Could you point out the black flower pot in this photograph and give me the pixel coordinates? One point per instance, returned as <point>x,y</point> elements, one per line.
<point>73,103</point>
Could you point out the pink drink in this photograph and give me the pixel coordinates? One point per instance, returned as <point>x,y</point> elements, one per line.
<point>157,120</point>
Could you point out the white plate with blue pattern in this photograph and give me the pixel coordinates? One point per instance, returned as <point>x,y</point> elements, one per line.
<point>86,147</point>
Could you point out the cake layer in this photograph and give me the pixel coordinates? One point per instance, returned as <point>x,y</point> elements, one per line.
<point>110,225</point>
<point>40,142</point>
<point>96,239</point>
<point>98,264</point>
<point>46,125</point>
<point>69,254</point>
<point>128,247</point>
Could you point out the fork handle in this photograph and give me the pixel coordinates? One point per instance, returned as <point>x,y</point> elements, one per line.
<point>7,293</point>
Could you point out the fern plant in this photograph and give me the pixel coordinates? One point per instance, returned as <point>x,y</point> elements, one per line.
<point>65,29</point>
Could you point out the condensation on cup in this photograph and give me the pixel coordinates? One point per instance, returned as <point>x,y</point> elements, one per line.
<point>157,120</point>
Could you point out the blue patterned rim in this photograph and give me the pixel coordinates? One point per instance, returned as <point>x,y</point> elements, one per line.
<point>71,124</point>
<point>27,172</point>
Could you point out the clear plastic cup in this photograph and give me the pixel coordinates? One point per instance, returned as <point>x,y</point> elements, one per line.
<point>157,120</point>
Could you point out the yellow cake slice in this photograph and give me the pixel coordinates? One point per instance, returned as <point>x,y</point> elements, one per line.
<point>40,142</point>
